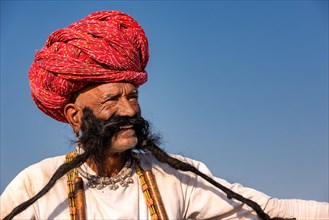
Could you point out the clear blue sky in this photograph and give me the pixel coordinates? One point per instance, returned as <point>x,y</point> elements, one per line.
<point>239,85</point>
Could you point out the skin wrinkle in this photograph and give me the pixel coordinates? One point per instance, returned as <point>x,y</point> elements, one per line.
<point>96,98</point>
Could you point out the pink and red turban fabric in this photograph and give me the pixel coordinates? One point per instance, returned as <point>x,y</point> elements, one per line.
<point>105,46</point>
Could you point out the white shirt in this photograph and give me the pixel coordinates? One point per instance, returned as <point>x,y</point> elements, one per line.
<point>185,196</point>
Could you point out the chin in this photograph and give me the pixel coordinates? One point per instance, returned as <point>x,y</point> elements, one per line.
<point>122,145</point>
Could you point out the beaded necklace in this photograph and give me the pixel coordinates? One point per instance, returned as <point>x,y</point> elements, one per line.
<point>148,185</point>
<point>123,178</point>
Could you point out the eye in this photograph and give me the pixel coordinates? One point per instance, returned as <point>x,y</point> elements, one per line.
<point>133,97</point>
<point>110,99</point>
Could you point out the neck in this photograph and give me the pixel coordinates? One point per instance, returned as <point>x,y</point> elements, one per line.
<point>112,163</point>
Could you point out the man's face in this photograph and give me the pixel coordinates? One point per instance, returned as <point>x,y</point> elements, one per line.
<point>109,99</point>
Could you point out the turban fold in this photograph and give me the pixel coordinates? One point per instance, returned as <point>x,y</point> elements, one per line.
<point>105,46</point>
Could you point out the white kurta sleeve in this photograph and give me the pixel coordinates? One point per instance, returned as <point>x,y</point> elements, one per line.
<point>208,202</point>
<point>299,209</point>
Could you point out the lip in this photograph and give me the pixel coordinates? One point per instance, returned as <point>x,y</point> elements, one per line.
<point>126,127</point>
<point>127,132</point>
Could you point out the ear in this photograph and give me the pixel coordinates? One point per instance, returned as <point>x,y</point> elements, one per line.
<point>73,115</point>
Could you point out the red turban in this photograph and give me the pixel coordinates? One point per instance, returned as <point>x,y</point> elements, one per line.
<point>105,46</point>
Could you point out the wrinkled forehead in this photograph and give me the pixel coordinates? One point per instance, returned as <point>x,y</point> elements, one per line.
<point>102,90</point>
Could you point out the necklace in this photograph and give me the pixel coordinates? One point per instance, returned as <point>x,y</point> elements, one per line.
<point>123,178</point>
<point>146,178</point>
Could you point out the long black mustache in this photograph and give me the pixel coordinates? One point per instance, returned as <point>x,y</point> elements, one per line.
<point>96,136</point>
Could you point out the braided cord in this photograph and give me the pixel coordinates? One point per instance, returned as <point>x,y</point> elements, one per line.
<point>146,192</point>
<point>70,185</point>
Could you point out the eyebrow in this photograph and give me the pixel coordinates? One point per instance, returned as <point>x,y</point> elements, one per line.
<point>110,96</point>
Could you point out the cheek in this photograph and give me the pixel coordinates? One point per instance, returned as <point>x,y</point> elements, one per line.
<point>134,104</point>
<point>137,108</point>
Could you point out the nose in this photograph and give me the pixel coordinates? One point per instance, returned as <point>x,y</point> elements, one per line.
<point>126,108</point>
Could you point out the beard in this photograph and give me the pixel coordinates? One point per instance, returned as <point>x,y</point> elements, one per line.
<point>97,135</point>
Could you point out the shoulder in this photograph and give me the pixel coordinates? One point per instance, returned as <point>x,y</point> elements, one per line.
<point>148,161</point>
<point>27,183</point>
<point>46,166</point>
<point>36,175</point>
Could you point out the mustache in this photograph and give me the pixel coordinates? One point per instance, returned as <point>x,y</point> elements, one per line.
<point>117,123</point>
<point>97,132</point>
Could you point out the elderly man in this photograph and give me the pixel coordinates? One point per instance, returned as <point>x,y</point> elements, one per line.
<point>88,75</point>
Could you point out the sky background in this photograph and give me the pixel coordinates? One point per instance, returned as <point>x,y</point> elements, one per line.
<point>239,85</point>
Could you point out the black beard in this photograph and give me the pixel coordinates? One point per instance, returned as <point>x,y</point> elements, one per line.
<point>96,134</point>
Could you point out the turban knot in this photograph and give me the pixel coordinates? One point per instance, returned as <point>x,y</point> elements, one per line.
<point>105,46</point>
